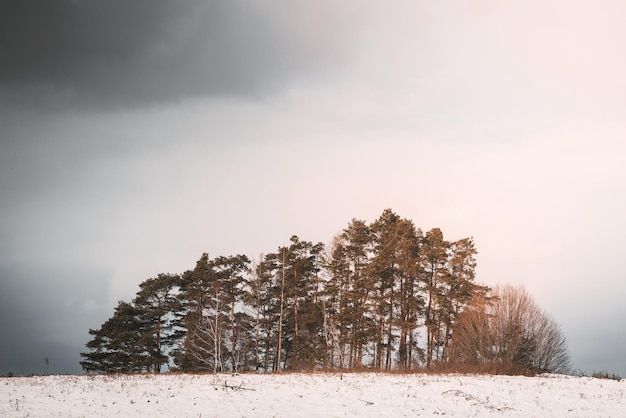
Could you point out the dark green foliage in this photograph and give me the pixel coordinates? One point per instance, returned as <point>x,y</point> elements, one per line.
<point>385,295</point>
<point>158,305</point>
<point>119,345</point>
<point>292,315</point>
<point>139,335</point>
<point>216,331</point>
<point>349,291</point>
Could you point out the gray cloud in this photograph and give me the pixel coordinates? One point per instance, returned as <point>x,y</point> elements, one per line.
<point>45,309</point>
<point>325,99</point>
<point>116,53</point>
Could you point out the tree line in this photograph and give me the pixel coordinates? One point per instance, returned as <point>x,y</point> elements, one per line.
<point>381,296</point>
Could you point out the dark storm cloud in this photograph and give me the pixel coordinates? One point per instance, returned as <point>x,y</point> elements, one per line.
<point>120,52</point>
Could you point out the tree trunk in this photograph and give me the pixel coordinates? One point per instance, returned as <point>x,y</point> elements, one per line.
<point>280,316</point>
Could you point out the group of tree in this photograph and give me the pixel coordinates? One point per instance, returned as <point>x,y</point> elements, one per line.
<point>381,296</point>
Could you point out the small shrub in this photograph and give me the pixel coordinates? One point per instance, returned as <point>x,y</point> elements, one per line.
<point>605,375</point>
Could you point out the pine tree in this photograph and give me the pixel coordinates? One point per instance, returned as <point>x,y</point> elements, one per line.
<point>349,275</point>
<point>384,269</point>
<point>338,306</point>
<point>264,302</point>
<point>300,320</point>
<point>434,258</point>
<point>361,304</point>
<point>139,335</point>
<point>410,300</point>
<point>359,243</point>
<point>458,287</point>
<point>201,346</point>
<point>119,345</point>
<point>231,273</point>
<point>157,303</point>
<point>216,331</point>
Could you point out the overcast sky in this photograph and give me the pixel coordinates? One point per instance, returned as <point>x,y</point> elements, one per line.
<point>134,136</point>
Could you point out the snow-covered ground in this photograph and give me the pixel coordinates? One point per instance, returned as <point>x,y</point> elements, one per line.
<point>310,395</point>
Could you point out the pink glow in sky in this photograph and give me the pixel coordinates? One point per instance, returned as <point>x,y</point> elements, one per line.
<point>120,160</point>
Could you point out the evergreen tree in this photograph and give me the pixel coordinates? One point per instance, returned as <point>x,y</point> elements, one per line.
<point>362,304</point>
<point>350,288</point>
<point>358,240</point>
<point>201,347</point>
<point>271,274</point>
<point>231,273</point>
<point>384,268</point>
<point>215,329</point>
<point>458,287</point>
<point>119,345</point>
<point>139,335</point>
<point>410,297</point>
<point>300,318</point>
<point>338,306</point>
<point>434,258</point>
<point>157,304</point>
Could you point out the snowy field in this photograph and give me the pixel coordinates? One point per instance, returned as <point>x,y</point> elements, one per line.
<point>310,395</point>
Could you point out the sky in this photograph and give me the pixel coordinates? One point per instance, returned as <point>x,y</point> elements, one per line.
<point>135,136</point>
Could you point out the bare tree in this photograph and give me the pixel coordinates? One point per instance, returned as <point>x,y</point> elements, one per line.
<point>472,341</point>
<point>508,332</point>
